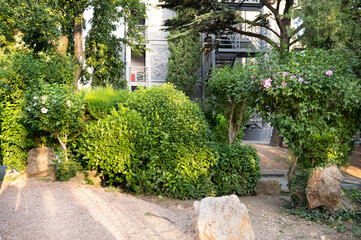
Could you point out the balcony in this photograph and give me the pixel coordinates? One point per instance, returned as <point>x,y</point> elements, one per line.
<point>138,74</point>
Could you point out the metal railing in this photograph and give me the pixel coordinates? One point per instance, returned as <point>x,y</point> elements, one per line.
<point>241,1</point>
<point>138,74</point>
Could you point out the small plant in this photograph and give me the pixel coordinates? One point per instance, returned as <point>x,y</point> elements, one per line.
<point>65,170</point>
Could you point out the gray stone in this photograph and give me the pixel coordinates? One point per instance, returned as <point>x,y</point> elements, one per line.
<point>324,188</point>
<point>222,218</point>
<point>39,160</point>
<point>268,187</point>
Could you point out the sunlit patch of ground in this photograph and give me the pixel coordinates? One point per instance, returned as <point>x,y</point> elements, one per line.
<point>354,170</point>
<point>277,158</point>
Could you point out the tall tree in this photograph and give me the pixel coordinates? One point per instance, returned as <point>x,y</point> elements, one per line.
<point>333,24</point>
<point>103,49</point>
<point>213,17</point>
<point>184,61</point>
<point>46,24</point>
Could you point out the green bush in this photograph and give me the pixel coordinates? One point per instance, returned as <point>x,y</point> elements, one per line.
<point>155,144</point>
<point>100,101</point>
<point>112,146</point>
<point>324,150</point>
<point>236,170</point>
<point>179,155</point>
<point>14,137</point>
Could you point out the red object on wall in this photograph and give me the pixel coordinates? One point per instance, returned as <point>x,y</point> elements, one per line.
<point>132,78</point>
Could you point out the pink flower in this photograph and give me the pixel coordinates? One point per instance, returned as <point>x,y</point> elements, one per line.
<point>333,101</point>
<point>276,86</point>
<point>44,110</point>
<point>357,101</point>
<point>285,74</point>
<point>306,82</point>
<point>293,76</point>
<point>329,72</point>
<point>252,76</point>
<point>300,79</point>
<point>267,83</point>
<point>284,84</point>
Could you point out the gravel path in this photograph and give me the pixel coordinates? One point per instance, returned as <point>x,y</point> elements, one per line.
<point>53,210</point>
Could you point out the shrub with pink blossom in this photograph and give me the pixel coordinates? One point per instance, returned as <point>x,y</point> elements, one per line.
<point>314,100</point>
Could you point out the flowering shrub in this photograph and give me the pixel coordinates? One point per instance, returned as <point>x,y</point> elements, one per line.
<point>313,97</point>
<point>56,109</point>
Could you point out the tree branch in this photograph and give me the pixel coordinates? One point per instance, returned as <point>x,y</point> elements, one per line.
<point>276,33</point>
<point>293,42</point>
<point>289,4</point>
<point>278,5</point>
<point>251,34</point>
<point>269,6</point>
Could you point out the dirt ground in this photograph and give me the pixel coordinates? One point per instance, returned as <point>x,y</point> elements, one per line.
<point>57,210</point>
<point>38,209</point>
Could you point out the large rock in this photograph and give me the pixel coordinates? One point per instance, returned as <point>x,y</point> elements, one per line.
<point>324,188</point>
<point>222,218</point>
<point>268,187</point>
<point>39,160</point>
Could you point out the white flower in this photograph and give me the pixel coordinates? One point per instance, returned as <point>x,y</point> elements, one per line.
<point>44,110</point>
<point>68,103</point>
<point>36,97</point>
<point>44,98</point>
<point>54,101</point>
<point>34,104</point>
<point>29,109</point>
<point>43,102</point>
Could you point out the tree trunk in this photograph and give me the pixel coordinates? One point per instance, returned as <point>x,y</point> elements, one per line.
<point>63,146</point>
<point>276,140</point>
<point>61,45</point>
<point>78,46</point>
